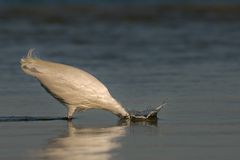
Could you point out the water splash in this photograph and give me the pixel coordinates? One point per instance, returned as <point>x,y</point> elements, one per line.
<point>149,114</point>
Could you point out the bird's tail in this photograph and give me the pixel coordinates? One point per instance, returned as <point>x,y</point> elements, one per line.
<point>29,64</point>
<point>28,57</point>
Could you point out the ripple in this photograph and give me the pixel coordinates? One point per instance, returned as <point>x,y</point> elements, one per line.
<point>29,118</point>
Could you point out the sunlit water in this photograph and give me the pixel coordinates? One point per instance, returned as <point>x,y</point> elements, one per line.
<point>192,61</point>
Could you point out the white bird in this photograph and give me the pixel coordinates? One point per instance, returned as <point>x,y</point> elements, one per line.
<point>73,87</point>
<point>79,90</point>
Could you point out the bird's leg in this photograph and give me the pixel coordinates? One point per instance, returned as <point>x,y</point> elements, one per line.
<point>70,113</point>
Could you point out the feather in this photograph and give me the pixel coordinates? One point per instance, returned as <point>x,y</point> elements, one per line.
<point>73,87</point>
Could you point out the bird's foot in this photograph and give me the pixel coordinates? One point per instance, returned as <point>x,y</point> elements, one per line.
<point>68,118</point>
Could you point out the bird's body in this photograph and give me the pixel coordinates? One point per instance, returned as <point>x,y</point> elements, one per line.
<point>75,88</point>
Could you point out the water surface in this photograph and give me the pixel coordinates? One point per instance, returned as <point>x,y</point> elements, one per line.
<point>191,58</point>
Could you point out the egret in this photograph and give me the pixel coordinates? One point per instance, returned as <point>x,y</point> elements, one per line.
<point>76,89</point>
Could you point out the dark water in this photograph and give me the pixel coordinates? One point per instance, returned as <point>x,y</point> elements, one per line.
<point>99,2</point>
<point>190,57</point>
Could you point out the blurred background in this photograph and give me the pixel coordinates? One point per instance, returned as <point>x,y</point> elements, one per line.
<point>144,52</point>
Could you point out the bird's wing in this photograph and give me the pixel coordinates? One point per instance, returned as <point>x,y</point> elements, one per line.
<point>69,85</point>
<point>70,93</point>
<point>74,90</point>
<point>59,98</point>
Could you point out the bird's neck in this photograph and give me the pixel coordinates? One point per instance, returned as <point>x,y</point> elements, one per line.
<point>117,109</point>
<point>122,113</point>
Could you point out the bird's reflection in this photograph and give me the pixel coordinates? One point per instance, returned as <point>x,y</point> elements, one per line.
<point>85,143</point>
<point>97,143</point>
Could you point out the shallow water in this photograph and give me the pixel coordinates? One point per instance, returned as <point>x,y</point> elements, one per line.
<point>193,61</point>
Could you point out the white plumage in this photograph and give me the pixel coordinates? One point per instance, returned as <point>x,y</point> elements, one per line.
<point>75,88</point>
